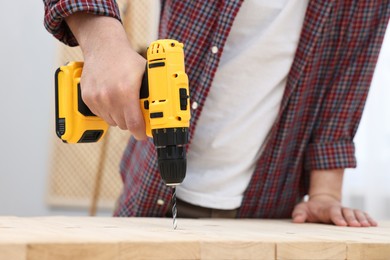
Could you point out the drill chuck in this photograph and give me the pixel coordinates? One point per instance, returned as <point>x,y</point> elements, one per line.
<point>171,153</point>
<point>172,164</point>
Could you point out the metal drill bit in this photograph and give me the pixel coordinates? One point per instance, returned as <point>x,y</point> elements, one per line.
<point>174,209</point>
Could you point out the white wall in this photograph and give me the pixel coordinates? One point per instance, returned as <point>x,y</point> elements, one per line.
<point>27,61</point>
<point>27,65</point>
<point>367,186</point>
<point>26,82</point>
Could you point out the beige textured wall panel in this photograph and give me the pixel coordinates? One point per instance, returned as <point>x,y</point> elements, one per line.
<point>112,184</point>
<point>141,21</point>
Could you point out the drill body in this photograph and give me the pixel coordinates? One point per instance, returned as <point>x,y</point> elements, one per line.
<point>164,101</point>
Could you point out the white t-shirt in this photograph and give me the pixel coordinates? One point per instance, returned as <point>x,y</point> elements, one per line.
<point>243,102</point>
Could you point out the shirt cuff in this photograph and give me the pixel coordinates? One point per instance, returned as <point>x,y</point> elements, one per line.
<point>56,11</point>
<point>337,155</point>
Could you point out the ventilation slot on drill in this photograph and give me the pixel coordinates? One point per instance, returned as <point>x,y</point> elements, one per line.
<point>157,48</point>
<point>91,136</point>
<point>60,127</point>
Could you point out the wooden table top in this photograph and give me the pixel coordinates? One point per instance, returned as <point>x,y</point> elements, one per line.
<point>101,238</point>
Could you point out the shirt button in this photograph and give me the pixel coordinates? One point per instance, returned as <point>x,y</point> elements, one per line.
<point>194,105</point>
<point>214,49</point>
<point>160,202</point>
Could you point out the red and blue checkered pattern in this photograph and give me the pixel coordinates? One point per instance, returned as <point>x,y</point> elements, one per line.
<point>321,108</point>
<point>57,10</point>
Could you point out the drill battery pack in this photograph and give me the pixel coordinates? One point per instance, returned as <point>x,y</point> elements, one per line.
<point>75,122</point>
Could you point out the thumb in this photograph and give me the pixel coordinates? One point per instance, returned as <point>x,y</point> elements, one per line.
<point>299,214</point>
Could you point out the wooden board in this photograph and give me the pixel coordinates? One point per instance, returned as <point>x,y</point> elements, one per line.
<point>153,238</point>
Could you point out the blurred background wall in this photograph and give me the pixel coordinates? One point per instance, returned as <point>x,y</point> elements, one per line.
<point>368,186</point>
<point>27,63</point>
<point>26,83</point>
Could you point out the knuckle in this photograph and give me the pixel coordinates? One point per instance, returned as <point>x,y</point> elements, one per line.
<point>104,94</point>
<point>122,86</point>
<point>91,100</point>
<point>88,96</point>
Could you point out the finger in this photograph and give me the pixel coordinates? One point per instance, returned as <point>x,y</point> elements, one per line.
<point>336,217</point>
<point>89,97</point>
<point>299,214</point>
<point>106,117</point>
<point>93,105</point>
<point>134,118</point>
<point>104,103</point>
<point>119,119</point>
<point>349,216</point>
<point>110,121</point>
<point>362,218</point>
<point>370,220</point>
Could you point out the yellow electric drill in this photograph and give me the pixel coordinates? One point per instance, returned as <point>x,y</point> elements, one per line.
<point>164,101</point>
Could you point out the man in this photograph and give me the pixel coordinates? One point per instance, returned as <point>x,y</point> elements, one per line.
<point>277,91</point>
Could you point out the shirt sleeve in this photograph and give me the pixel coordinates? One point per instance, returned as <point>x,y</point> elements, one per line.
<point>57,10</point>
<point>331,145</point>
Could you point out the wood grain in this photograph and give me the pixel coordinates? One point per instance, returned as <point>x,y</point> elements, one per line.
<point>153,238</point>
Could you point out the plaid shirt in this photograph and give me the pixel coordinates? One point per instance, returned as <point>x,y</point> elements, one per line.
<point>320,111</point>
